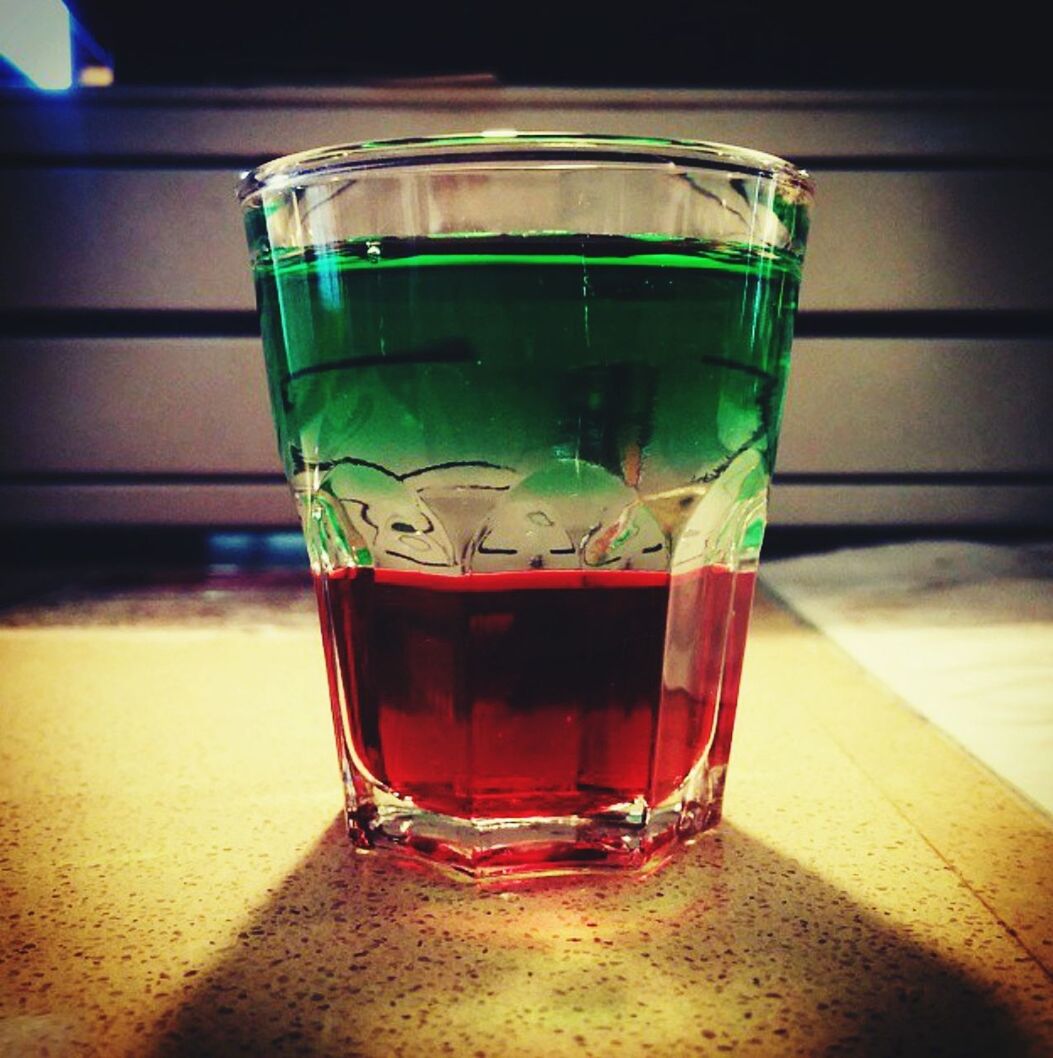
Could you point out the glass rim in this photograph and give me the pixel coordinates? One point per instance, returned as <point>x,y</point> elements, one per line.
<point>503,146</point>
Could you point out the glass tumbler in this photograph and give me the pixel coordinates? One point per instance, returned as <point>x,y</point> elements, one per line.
<point>527,391</point>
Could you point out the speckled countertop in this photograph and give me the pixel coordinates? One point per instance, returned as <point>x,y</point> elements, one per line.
<point>174,879</point>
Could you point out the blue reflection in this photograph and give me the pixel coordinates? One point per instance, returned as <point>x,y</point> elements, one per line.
<point>36,39</point>
<point>257,550</point>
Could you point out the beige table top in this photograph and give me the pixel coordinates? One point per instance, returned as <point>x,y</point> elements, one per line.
<point>174,877</point>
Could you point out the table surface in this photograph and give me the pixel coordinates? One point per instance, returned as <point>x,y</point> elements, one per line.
<point>174,878</point>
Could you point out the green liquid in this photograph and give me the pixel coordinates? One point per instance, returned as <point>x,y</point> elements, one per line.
<point>577,364</point>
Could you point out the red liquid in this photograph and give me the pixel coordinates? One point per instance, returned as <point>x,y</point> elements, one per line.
<point>541,693</point>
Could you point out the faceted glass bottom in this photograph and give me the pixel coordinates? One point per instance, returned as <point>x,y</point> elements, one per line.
<point>625,837</point>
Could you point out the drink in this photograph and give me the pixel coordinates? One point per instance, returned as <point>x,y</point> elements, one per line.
<point>532,471</point>
<point>656,361</point>
<point>531,693</point>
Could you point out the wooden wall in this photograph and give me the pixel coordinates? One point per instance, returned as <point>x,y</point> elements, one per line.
<point>922,387</point>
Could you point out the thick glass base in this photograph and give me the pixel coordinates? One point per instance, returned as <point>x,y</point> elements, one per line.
<point>631,837</point>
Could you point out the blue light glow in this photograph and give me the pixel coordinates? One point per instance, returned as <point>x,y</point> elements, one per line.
<point>35,38</point>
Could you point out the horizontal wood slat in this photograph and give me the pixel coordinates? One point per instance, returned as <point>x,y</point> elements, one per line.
<point>811,125</point>
<point>182,406</point>
<point>271,505</point>
<point>172,239</point>
<point>136,406</point>
<point>952,405</point>
<point>935,505</point>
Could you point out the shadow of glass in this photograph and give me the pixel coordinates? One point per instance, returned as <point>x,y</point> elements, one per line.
<point>730,946</point>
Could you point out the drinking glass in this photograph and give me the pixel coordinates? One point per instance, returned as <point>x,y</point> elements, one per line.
<point>527,391</point>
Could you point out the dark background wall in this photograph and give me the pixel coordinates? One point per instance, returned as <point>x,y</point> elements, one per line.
<point>923,371</point>
<point>644,45</point>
